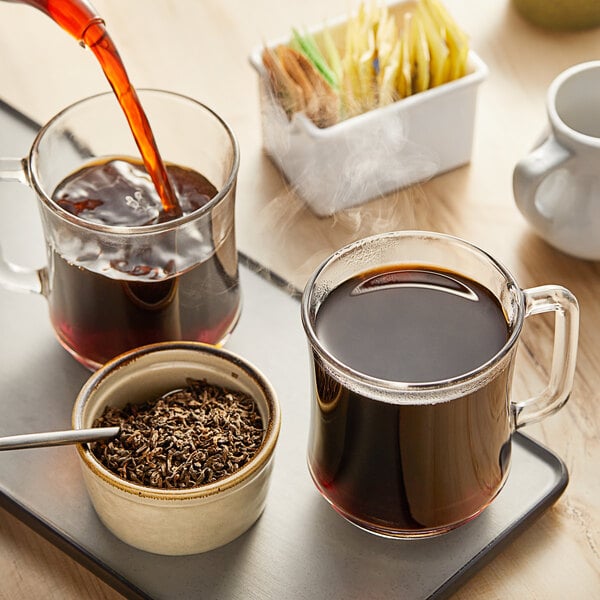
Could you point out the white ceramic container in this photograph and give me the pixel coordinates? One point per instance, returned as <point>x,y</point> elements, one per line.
<point>375,153</point>
<point>177,522</point>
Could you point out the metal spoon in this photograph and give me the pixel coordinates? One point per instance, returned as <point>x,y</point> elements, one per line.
<point>57,438</point>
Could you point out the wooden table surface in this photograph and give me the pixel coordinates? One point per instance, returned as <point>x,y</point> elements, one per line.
<point>201,49</point>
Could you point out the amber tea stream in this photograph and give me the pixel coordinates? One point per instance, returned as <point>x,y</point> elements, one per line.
<point>79,19</point>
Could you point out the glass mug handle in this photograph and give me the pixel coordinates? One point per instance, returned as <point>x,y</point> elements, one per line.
<point>14,277</point>
<point>552,298</point>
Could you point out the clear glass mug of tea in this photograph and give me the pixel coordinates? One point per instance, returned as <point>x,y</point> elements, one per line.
<point>413,337</point>
<point>119,274</point>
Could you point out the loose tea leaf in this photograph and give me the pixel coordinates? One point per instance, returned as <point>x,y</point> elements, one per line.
<point>184,439</point>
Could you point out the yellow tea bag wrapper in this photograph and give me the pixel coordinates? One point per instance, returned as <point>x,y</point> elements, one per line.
<point>388,91</point>
<point>458,43</point>
<point>406,64</point>
<point>332,54</point>
<point>439,54</point>
<point>420,54</point>
<point>388,59</point>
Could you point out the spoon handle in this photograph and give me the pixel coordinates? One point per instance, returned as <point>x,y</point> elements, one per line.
<point>57,438</point>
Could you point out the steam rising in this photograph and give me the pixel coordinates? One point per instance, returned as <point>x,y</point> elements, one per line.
<point>334,169</point>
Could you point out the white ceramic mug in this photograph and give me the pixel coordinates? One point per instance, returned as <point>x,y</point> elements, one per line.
<point>557,186</point>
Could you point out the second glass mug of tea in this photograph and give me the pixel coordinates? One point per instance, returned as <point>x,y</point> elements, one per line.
<point>413,337</point>
<point>111,288</point>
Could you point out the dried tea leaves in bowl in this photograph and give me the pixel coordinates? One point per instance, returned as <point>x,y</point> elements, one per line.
<point>184,439</point>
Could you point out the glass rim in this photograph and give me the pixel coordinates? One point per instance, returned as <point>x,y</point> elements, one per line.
<point>556,117</point>
<point>388,385</point>
<point>169,225</point>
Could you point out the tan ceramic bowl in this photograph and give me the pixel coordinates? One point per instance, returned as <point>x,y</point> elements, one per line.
<point>176,522</point>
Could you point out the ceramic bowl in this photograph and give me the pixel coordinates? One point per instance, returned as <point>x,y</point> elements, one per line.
<point>176,522</point>
<point>561,15</point>
<point>374,153</point>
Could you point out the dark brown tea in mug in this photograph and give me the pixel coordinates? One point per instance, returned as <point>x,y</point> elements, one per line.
<point>98,316</point>
<point>399,467</point>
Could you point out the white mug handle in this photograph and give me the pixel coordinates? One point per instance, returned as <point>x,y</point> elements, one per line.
<point>531,171</point>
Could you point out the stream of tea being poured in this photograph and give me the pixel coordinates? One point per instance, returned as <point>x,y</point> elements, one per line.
<point>80,19</point>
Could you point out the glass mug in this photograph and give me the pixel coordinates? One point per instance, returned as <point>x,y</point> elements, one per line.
<point>111,288</point>
<point>417,456</point>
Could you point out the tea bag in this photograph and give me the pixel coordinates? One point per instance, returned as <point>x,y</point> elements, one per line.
<point>456,39</point>
<point>288,92</point>
<point>306,44</point>
<point>300,87</point>
<point>388,75</point>
<point>352,85</point>
<point>388,59</point>
<point>439,54</point>
<point>359,61</point>
<point>420,55</point>
<point>406,65</point>
<point>332,55</point>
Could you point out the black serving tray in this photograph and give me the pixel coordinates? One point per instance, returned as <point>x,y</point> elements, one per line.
<point>299,548</point>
